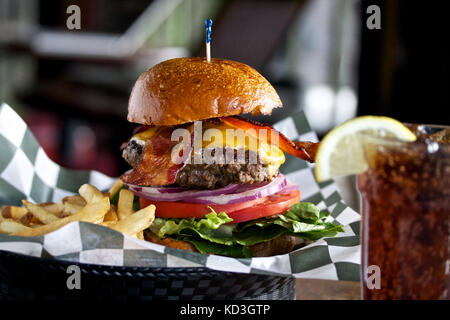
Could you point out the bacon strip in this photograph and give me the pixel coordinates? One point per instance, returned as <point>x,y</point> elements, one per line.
<point>156,167</point>
<point>305,150</point>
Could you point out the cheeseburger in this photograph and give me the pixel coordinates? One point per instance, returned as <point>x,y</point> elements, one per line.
<point>213,175</point>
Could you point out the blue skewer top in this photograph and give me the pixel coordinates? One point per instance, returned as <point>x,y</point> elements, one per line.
<point>208,24</point>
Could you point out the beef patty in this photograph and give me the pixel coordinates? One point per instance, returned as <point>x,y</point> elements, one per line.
<point>209,176</point>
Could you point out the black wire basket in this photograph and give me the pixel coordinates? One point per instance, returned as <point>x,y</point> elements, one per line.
<point>30,278</point>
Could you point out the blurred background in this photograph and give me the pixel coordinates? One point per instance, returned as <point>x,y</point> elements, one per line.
<point>72,86</point>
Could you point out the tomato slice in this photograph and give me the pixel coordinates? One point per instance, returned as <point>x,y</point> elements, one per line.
<point>274,204</point>
<point>239,212</point>
<point>167,209</point>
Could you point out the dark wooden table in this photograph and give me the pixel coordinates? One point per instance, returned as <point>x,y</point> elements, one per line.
<point>313,289</point>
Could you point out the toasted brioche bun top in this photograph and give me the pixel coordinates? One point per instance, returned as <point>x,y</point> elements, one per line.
<point>182,90</point>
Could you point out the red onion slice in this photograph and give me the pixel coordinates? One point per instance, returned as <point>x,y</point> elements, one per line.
<point>228,195</point>
<point>176,193</point>
<point>258,191</point>
<point>289,187</point>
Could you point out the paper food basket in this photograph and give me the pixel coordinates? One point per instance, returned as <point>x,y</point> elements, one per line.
<point>116,266</point>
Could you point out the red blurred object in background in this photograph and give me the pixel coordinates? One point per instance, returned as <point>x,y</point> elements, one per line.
<point>76,146</point>
<point>46,127</point>
<point>85,152</point>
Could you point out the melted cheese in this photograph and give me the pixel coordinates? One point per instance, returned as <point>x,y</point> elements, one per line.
<point>145,135</point>
<point>271,155</point>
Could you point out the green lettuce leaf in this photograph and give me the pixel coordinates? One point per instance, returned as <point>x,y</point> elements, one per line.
<point>255,234</point>
<point>211,228</point>
<point>303,220</point>
<point>215,234</point>
<point>305,211</point>
<point>208,247</point>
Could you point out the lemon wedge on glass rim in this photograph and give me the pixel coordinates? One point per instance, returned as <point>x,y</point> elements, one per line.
<point>341,151</point>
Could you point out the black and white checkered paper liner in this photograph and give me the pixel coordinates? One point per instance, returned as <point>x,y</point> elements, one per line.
<point>27,173</point>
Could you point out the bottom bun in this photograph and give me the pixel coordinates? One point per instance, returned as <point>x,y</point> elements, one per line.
<point>281,245</point>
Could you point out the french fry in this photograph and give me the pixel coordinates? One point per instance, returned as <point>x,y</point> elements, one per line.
<point>71,209</point>
<point>19,214</point>
<point>93,212</point>
<point>10,226</point>
<point>136,222</point>
<point>39,212</point>
<point>111,215</point>
<point>90,206</point>
<point>35,225</point>
<point>108,224</point>
<point>72,205</point>
<point>13,212</point>
<point>52,207</point>
<point>125,204</point>
<point>116,187</point>
<point>75,199</point>
<point>91,193</point>
<point>28,219</point>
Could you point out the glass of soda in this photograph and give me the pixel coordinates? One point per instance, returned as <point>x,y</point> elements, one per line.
<point>405,197</point>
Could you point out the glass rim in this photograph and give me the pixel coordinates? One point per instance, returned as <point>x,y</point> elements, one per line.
<point>390,141</point>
